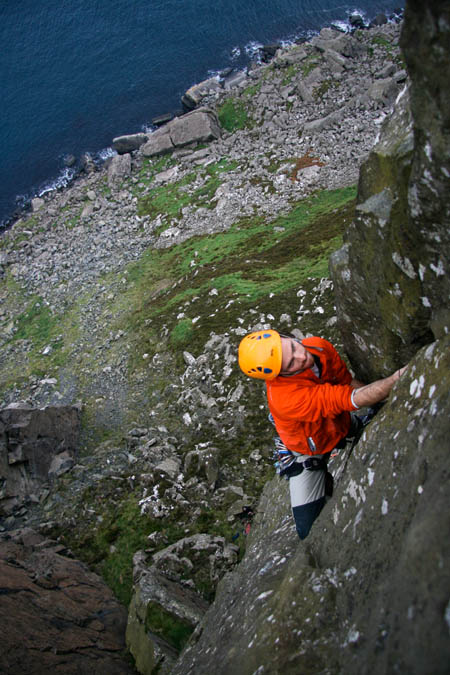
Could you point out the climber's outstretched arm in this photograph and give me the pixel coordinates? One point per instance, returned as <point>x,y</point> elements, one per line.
<point>376,391</point>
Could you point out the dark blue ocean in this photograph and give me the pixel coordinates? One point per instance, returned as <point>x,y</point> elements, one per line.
<point>76,73</point>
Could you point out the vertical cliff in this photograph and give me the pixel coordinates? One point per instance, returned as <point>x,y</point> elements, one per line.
<point>391,276</point>
<point>368,592</point>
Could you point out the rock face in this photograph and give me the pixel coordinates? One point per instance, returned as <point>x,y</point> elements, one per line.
<point>429,189</point>
<point>129,142</point>
<point>34,443</point>
<point>197,92</point>
<point>391,277</point>
<point>166,599</point>
<point>376,269</point>
<point>119,168</point>
<point>197,126</point>
<point>196,442</point>
<point>55,615</point>
<point>368,591</point>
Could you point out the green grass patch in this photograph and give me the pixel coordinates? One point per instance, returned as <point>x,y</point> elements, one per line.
<point>308,65</point>
<point>251,260</point>
<point>166,200</point>
<point>380,41</point>
<point>182,333</point>
<point>233,115</point>
<point>108,546</point>
<point>252,90</point>
<point>169,200</point>
<point>289,74</point>
<point>37,323</point>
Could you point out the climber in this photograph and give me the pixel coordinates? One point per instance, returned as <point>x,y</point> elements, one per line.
<point>311,394</point>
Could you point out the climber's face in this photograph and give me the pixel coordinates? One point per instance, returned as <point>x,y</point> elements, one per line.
<point>295,358</point>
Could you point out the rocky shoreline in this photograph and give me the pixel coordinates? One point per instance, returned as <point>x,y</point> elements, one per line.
<point>333,113</point>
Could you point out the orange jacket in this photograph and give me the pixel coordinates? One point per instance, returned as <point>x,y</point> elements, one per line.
<point>311,414</point>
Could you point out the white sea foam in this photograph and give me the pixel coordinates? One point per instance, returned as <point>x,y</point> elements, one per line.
<point>148,128</point>
<point>62,180</point>
<point>235,53</point>
<point>252,49</point>
<point>106,153</point>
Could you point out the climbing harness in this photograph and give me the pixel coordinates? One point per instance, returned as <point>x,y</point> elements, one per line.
<point>289,464</point>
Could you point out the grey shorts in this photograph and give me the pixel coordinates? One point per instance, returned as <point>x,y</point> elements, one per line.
<point>307,491</point>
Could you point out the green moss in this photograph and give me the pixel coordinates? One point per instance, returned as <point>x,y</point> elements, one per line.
<point>169,200</point>
<point>320,91</point>
<point>289,73</point>
<point>380,41</point>
<point>175,631</point>
<point>233,115</point>
<point>182,333</point>
<point>309,64</point>
<point>166,200</point>
<point>109,545</point>
<point>251,91</point>
<point>37,323</point>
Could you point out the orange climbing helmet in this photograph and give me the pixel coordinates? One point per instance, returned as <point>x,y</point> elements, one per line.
<point>260,354</point>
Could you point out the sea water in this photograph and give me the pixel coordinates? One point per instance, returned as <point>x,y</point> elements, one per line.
<point>77,73</point>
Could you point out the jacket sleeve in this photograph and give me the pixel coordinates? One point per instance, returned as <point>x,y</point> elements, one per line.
<point>311,403</point>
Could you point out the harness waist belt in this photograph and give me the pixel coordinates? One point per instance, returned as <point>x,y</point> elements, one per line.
<point>312,464</point>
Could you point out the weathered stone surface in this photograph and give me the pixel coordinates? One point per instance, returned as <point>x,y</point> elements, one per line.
<point>157,601</point>
<point>203,463</point>
<point>197,126</point>
<point>295,55</point>
<point>159,143</point>
<point>342,602</point>
<point>129,142</point>
<point>119,168</point>
<point>168,592</point>
<point>195,94</point>
<point>31,440</point>
<point>346,45</point>
<point>162,119</point>
<point>235,80</point>
<point>384,90</point>
<point>37,203</point>
<point>55,615</point>
<point>393,267</point>
<point>376,271</point>
<point>315,126</point>
<point>429,188</point>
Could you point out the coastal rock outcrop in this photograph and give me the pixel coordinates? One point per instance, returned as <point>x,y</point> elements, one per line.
<point>129,142</point>
<point>198,126</point>
<point>195,94</point>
